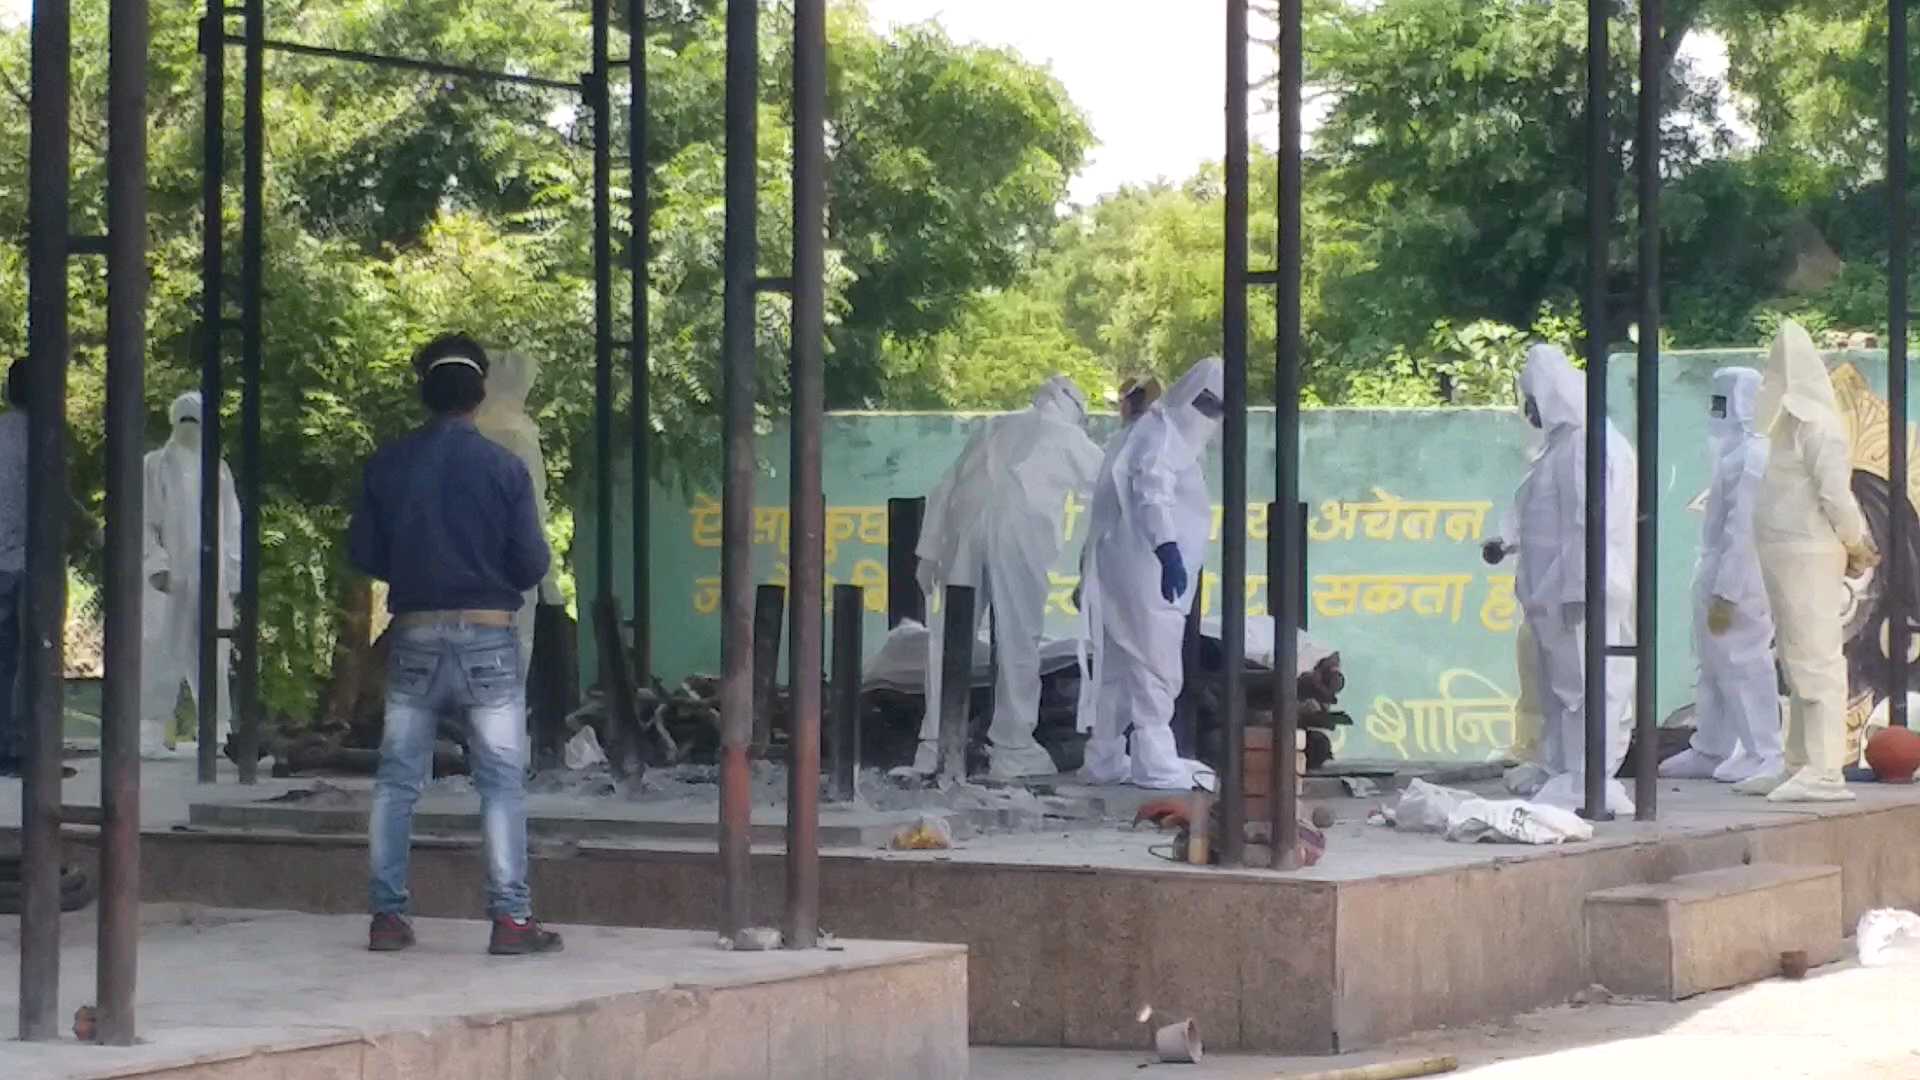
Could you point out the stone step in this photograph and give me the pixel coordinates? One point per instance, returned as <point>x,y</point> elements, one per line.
<point>1712,930</point>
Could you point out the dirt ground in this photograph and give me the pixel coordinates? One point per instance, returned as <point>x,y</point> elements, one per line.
<point>1842,1021</point>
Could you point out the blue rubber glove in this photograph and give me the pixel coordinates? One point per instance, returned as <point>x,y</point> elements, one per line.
<point>1173,572</point>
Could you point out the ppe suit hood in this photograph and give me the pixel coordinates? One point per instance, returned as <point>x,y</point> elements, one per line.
<point>1195,428</point>
<point>510,378</point>
<point>1796,382</point>
<point>1059,399</point>
<point>1556,388</point>
<point>185,407</point>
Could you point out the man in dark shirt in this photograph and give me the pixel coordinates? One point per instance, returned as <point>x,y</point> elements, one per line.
<point>447,519</point>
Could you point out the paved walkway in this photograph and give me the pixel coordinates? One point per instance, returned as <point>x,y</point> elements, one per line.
<point>1844,1021</point>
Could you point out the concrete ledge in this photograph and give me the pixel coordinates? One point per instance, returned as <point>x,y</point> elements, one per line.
<point>1712,930</point>
<point>236,995</point>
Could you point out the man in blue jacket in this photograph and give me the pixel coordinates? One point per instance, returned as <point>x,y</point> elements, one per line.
<point>447,519</point>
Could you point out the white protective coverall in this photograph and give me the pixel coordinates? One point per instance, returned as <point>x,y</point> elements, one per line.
<point>1154,493</point>
<point>1737,713</point>
<point>170,561</point>
<point>1807,528</point>
<point>1528,775</point>
<point>1551,579</point>
<point>504,419</point>
<point>993,523</point>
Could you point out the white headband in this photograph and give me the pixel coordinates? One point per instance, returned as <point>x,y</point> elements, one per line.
<point>461,360</point>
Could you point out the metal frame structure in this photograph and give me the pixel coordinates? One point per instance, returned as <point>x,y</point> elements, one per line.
<point>50,246</point>
<point>1285,580</point>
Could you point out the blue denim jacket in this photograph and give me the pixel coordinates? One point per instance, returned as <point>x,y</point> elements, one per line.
<point>447,520</point>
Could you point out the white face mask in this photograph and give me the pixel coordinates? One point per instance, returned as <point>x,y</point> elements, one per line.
<point>186,434</point>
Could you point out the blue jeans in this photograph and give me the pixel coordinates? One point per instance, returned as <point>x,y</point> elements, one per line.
<point>432,671</point>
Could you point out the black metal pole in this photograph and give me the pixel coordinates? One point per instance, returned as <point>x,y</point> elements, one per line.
<point>769,618</point>
<point>809,506</point>
<point>1284,828</point>
<point>44,618</point>
<point>253,284</point>
<point>119,940</point>
<point>904,600</point>
<point>1646,585</point>
<point>741,259</point>
<point>408,63</point>
<point>1233,333</point>
<point>1898,223</point>
<point>639,364</point>
<point>956,681</point>
<point>848,604</point>
<point>1596,478</point>
<point>212,329</point>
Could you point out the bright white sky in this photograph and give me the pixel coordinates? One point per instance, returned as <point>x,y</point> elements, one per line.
<point>1148,73</point>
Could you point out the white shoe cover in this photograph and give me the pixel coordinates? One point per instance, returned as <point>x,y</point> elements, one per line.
<point>1568,792</point>
<point>1762,783</point>
<point>1691,764</point>
<point>1106,762</point>
<point>926,761</point>
<point>1744,765</point>
<point>1526,779</point>
<point>1014,762</point>
<point>1808,785</point>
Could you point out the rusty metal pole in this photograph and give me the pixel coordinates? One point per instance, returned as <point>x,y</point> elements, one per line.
<point>809,507</point>
<point>1899,595</point>
<point>43,620</point>
<point>1233,454</point>
<point>740,261</point>
<point>119,930</point>
<point>1285,521</point>
<point>252,469</point>
<point>639,363</point>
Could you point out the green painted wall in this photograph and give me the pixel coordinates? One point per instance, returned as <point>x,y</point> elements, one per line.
<point>1399,500</point>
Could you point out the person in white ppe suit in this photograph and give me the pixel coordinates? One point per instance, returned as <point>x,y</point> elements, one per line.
<point>1151,520</point>
<point>1550,513</point>
<point>503,418</point>
<point>1736,732</point>
<point>993,523</point>
<point>1810,534</point>
<point>170,615</point>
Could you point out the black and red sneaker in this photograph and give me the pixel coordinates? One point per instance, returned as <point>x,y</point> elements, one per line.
<point>521,937</point>
<point>389,933</point>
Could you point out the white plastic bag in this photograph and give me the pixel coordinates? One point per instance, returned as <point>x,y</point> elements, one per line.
<point>1888,936</point>
<point>583,750</point>
<point>1515,821</point>
<point>1425,807</point>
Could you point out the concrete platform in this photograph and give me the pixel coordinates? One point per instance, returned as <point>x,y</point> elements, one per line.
<point>1712,930</point>
<point>226,995</point>
<point>1070,932</point>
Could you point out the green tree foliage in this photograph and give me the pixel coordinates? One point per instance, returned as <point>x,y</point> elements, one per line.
<point>399,205</point>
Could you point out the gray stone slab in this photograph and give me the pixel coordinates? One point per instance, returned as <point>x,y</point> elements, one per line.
<point>226,995</point>
<point>1711,930</point>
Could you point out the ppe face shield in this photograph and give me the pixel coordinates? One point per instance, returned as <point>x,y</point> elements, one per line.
<point>1533,411</point>
<point>1718,408</point>
<point>1209,406</point>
